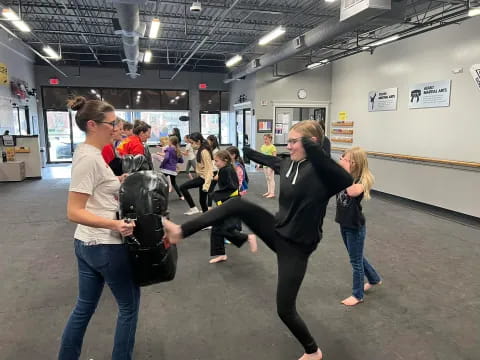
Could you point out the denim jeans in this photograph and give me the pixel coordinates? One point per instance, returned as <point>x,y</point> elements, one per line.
<point>97,265</point>
<point>354,240</point>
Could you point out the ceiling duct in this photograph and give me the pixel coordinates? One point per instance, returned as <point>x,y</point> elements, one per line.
<point>323,33</point>
<point>131,30</point>
<point>360,10</point>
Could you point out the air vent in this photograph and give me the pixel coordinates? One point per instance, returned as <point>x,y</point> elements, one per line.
<point>358,10</point>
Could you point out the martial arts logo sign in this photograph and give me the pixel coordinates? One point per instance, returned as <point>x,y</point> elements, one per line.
<point>475,71</point>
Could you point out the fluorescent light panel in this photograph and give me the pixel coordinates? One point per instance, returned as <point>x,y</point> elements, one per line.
<point>233,61</point>
<point>51,53</point>
<point>386,40</point>
<point>147,57</point>
<point>474,11</point>
<point>154,27</point>
<point>317,64</point>
<point>279,31</point>
<point>9,14</point>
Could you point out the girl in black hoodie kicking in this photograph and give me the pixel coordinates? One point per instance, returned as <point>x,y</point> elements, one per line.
<point>307,181</point>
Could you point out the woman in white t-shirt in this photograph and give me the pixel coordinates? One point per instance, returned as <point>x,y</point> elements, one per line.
<point>189,156</point>
<point>102,257</point>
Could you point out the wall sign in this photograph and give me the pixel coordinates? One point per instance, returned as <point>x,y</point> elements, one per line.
<point>3,75</point>
<point>264,126</point>
<point>475,71</point>
<point>383,100</point>
<point>430,95</point>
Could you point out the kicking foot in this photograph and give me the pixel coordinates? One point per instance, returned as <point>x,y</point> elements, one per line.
<point>315,356</point>
<point>351,301</point>
<point>367,286</point>
<point>218,259</point>
<point>173,231</point>
<point>252,242</point>
<point>192,211</point>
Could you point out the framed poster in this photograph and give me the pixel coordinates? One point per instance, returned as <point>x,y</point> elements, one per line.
<point>264,126</point>
<point>382,100</point>
<point>429,95</point>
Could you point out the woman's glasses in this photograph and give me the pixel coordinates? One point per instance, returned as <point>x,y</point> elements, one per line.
<point>112,123</point>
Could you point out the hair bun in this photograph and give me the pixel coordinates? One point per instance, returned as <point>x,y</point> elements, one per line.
<point>77,103</point>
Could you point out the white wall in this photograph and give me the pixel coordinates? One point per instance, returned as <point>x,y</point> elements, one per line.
<point>448,133</point>
<point>19,60</point>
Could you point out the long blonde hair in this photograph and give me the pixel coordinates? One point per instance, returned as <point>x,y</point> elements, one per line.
<point>359,169</point>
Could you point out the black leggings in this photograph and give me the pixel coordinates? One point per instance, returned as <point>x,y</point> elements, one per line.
<point>192,184</point>
<point>229,229</point>
<point>292,261</point>
<point>174,183</point>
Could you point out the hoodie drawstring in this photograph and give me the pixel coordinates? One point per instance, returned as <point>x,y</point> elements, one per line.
<point>296,171</point>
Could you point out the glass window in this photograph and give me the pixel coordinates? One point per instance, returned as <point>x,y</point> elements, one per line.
<point>16,123</point>
<point>163,122</point>
<point>209,100</point>
<point>227,128</point>
<point>55,98</point>
<point>146,99</point>
<point>210,124</point>
<point>119,98</point>
<point>23,122</point>
<point>174,99</point>
<point>88,93</point>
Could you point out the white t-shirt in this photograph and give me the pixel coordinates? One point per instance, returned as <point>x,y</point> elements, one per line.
<point>91,175</point>
<point>191,153</point>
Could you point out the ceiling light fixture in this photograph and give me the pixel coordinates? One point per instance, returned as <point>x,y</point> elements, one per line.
<point>183,93</point>
<point>148,56</point>
<point>279,31</point>
<point>154,27</point>
<point>366,48</point>
<point>329,1</point>
<point>317,64</point>
<point>93,91</point>
<point>474,11</point>
<point>51,53</point>
<point>386,40</point>
<point>233,61</point>
<point>139,93</point>
<point>10,15</point>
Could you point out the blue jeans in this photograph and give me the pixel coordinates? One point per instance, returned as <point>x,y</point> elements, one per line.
<point>354,240</point>
<point>98,264</point>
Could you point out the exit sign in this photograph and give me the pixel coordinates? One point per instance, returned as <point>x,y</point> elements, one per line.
<point>54,81</point>
<point>202,86</point>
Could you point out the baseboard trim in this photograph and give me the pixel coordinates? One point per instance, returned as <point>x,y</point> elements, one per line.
<point>465,219</point>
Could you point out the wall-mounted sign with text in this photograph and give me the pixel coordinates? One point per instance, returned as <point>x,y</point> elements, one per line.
<point>475,71</point>
<point>429,95</point>
<point>383,100</point>
<point>3,74</point>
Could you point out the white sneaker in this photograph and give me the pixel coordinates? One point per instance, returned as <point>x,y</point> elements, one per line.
<point>192,211</point>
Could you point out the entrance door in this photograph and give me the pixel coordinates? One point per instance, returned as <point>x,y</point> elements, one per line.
<point>240,128</point>
<point>63,136</point>
<point>210,124</point>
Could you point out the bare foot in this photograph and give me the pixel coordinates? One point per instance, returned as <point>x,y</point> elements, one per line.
<point>270,196</point>
<point>252,242</point>
<point>266,194</point>
<point>351,301</point>
<point>367,286</point>
<point>218,259</point>
<point>315,356</point>
<point>174,231</point>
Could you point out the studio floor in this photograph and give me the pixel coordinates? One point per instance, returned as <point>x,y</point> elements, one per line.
<point>428,307</point>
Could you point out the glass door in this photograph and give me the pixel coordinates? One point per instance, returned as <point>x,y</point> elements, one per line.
<point>240,129</point>
<point>210,123</point>
<point>59,136</point>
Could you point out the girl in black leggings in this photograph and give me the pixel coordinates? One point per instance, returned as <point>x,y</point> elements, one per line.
<point>307,180</point>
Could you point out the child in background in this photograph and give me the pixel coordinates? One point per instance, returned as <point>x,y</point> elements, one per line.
<point>190,155</point>
<point>269,149</point>
<point>239,168</point>
<point>213,142</point>
<point>352,222</point>
<point>172,156</point>
<point>230,228</point>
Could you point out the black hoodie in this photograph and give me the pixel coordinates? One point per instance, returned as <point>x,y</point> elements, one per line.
<point>305,188</point>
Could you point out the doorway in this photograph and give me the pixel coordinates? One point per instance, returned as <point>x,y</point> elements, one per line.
<point>63,135</point>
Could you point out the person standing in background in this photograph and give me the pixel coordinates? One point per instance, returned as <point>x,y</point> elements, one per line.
<point>269,149</point>
<point>136,144</point>
<point>213,142</point>
<point>189,155</point>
